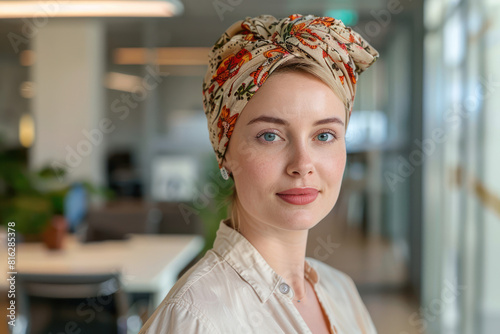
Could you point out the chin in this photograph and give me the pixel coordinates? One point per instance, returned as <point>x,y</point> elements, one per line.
<point>299,221</point>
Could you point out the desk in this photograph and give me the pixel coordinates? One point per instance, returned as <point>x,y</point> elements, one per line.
<point>148,263</point>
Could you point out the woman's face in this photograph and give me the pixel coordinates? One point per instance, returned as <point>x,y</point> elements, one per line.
<point>299,142</point>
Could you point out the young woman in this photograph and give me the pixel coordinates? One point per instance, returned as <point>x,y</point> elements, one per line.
<point>278,95</point>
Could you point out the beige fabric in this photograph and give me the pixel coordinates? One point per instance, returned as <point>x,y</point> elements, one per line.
<point>250,50</point>
<point>232,289</point>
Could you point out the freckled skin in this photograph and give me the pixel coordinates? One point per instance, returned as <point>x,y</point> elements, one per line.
<point>295,157</point>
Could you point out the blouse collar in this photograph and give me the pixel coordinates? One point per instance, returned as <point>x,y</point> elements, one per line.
<point>245,259</point>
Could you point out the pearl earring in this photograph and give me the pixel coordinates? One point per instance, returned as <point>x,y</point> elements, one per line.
<point>224,173</point>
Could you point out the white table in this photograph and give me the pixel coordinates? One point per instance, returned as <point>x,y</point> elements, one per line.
<point>148,263</point>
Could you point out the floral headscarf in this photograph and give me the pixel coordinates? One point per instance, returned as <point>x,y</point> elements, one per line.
<point>251,49</point>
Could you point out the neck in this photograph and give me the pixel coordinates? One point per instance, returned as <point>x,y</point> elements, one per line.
<point>284,250</point>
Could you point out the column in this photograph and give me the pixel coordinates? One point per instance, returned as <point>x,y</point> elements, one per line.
<point>69,98</point>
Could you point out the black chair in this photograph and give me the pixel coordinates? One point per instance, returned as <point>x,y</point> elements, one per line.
<point>90,303</point>
<point>116,220</point>
<point>177,219</point>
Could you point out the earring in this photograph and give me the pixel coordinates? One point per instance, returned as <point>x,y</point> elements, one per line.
<point>224,173</point>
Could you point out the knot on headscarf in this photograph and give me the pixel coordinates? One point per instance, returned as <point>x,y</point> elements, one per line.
<point>250,50</point>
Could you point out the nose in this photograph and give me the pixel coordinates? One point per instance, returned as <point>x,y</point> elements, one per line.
<point>300,163</point>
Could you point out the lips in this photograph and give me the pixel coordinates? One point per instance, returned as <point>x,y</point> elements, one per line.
<point>299,196</point>
<point>299,191</point>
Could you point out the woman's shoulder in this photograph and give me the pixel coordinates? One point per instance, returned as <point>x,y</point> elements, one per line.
<point>178,317</point>
<point>203,276</point>
<point>189,297</point>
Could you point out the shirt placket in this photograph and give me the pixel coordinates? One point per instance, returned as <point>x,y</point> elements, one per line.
<point>287,292</point>
<point>333,322</point>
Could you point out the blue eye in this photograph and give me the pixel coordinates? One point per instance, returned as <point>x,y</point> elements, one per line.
<point>269,137</point>
<point>324,136</point>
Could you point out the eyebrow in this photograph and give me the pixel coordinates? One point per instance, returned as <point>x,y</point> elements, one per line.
<point>280,121</point>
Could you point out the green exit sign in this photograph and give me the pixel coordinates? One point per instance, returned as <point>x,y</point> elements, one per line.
<point>347,16</point>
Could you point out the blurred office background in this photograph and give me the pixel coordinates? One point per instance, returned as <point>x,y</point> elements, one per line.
<point>112,96</point>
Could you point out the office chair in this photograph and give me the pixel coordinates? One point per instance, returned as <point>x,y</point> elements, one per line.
<point>89,303</point>
<point>115,221</point>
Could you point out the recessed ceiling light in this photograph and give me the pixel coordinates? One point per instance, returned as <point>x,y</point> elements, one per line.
<point>162,56</point>
<point>77,8</point>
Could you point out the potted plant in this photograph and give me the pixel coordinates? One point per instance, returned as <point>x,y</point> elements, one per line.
<point>47,182</point>
<point>20,201</point>
<point>35,201</point>
<point>215,209</point>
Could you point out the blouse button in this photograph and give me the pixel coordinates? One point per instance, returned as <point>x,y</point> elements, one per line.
<point>284,288</point>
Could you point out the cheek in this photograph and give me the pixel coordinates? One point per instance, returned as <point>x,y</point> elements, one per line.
<point>258,176</point>
<point>339,163</point>
<point>260,171</point>
<point>333,175</point>
<point>333,168</point>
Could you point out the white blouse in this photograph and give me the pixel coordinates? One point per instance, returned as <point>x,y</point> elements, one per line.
<point>232,289</point>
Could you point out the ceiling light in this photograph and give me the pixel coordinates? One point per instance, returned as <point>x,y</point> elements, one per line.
<point>27,57</point>
<point>123,82</point>
<point>26,130</point>
<point>77,8</point>
<point>162,56</point>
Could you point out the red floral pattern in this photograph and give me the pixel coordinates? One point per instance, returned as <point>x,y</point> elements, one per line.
<point>226,124</point>
<point>231,65</point>
<point>250,50</point>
